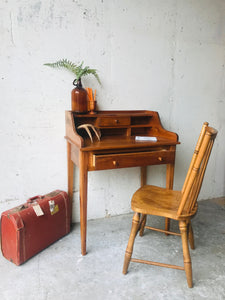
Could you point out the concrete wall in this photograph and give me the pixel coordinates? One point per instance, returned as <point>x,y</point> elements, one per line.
<point>164,55</point>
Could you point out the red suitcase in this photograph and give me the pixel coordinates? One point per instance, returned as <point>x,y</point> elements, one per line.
<point>29,228</point>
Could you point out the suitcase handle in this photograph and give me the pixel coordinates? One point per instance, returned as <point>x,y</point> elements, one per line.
<point>34,199</point>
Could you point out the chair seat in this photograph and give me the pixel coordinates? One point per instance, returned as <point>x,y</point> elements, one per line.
<point>154,200</point>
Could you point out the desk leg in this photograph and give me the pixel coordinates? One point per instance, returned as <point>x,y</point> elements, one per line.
<point>143,175</point>
<point>143,182</point>
<point>169,185</point>
<point>169,176</point>
<point>70,170</point>
<point>83,201</point>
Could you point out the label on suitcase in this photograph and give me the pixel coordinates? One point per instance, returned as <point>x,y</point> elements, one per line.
<point>29,228</point>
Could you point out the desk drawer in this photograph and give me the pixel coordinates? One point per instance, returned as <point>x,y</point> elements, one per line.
<point>125,160</point>
<point>113,121</point>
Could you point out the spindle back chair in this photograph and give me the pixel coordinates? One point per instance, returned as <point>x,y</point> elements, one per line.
<point>176,205</point>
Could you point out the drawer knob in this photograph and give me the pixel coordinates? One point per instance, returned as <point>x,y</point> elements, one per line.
<point>115,163</point>
<point>160,158</point>
<point>117,121</point>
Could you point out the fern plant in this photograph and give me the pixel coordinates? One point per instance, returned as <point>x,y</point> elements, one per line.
<point>78,70</point>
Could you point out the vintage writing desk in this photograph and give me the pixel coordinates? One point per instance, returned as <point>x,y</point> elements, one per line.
<point>117,148</point>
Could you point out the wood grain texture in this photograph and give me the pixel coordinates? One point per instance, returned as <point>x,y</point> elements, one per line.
<point>117,148</point>
<point>176,205</point>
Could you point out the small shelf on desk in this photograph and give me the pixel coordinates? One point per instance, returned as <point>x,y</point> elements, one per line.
<point>141,120</point>
<point>118,124</point>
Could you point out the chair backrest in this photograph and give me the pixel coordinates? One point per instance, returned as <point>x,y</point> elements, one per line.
<point>196,171</point>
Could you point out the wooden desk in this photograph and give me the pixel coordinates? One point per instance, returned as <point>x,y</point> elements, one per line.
<point>117,148</point>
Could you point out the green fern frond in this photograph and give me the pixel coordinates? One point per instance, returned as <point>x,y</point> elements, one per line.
<point>64,63</point>
<point>77,70</point>
<point>94,72</point>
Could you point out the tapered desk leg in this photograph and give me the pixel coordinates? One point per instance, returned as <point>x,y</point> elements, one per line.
<point>169,185</point>
<point>143,175</point>
<point>70,170</point>
<point>143,182</point>
<point>169,176</point>
<point>83,201</point>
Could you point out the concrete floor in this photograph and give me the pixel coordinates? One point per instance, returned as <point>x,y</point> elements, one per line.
<point>60,272</point>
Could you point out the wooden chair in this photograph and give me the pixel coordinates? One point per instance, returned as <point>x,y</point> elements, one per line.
<point>176,205</point>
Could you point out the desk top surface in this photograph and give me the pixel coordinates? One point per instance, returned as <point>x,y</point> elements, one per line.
<point>124,142</point>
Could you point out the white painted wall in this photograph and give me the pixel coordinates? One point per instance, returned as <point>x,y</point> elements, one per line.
<point>163,55</point>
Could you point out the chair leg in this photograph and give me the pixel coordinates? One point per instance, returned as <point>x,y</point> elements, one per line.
<point>129,250</point>
<point>142,224</point>
<point>191,236</point>
<point>186,255</point>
